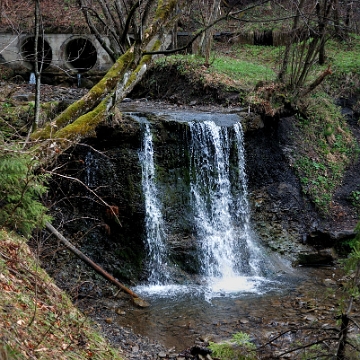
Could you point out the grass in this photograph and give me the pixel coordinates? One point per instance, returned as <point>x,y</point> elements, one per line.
<point>238,348</point>
<point>223,70</point>
<point>248,73</point>
<point>37,320</point>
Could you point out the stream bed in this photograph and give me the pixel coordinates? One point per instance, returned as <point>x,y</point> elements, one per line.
<point>302,306</point>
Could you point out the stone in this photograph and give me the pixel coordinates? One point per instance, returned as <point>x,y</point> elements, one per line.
<point>319,258</point>
<point>162,355</point>
<point>119,311</point>
<point>24,97</point>
<point>86,83</point>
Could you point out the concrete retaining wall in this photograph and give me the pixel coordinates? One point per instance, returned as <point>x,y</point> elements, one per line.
<point>69,53</point>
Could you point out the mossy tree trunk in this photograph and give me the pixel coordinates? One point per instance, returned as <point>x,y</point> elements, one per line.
<point>81,118</point>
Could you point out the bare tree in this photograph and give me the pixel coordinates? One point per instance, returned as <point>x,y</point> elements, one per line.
<point>306,43</point>
<point>209,12</point>
<point>117,23</point>
<point>37,64</point>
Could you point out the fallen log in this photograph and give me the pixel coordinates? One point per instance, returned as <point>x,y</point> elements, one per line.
<point>135,298</point>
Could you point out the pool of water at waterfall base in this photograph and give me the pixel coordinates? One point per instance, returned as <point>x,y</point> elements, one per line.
<point>178,316</point>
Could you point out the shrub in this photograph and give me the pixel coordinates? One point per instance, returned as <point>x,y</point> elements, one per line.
<point>239,348</point>
<point>20,191</point>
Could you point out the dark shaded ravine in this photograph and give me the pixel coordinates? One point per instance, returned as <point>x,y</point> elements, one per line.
<point>281,216</point>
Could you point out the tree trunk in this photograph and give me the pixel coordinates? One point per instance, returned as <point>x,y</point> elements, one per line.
<point>81,118</point>
<point>211,13</point>
<point>37,66</point>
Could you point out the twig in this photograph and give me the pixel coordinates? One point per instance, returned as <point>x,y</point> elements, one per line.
<point>308,345</point>
<point>91,191</point>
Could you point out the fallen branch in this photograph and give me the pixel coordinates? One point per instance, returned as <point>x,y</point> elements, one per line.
<point>136,299</point>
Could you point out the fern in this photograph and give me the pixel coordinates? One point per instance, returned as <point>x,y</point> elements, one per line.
<point>20,191</point>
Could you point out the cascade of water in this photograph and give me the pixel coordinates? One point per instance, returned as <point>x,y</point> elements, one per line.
<point>155,233</point>
<point>32,80</point>
<point>78,76</point>
<point>230,259</point>
<point>242,214</point>
<point>221,219</point>
<point>91,167</point>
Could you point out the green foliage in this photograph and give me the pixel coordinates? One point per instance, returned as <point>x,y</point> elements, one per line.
<point>185,64</point>
<point>316,351</point>
<point>351,266</point>
<point>325,150</point>
<point>239,348</point>
<point>355,198</point>
<point>352,263</point>
<point>20,190</point>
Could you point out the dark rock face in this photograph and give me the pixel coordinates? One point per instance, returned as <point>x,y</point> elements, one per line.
<point>110,226</point>
<point>108,166</point>
<point>280,213</point>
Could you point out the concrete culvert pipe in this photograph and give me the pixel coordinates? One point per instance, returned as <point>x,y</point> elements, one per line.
<point>44,52</point>
<point>80,54</point>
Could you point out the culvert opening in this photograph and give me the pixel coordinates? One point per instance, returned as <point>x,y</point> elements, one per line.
<point>264,38</point>
<point>44,52</point>
<point>80,54</point>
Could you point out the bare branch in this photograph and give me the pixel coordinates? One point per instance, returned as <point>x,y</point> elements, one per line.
<point>90,190</point>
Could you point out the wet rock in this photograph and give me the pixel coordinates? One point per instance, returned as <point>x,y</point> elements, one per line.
<point>343,234</point>
<point>86,83</point>
<point>198,350</point>
<point>119,311</point>
<point>24,97</point>
<point>251,121</point>
<point>320,258</point>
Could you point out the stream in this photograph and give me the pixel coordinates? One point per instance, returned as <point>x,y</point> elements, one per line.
<point>308,300</point>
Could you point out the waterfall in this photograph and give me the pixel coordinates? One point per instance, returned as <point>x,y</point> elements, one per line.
<point>221,208</point>
<point>78,77</point>
<point>229,258</point>
<point>91,170</point>
<point>32,80</point>
<point>155,233</point>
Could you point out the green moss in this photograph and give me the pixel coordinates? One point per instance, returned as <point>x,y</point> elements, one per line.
<point>144,60</point>
<point>91,99</point>
<point>85,124</point>
<point>163,10</point>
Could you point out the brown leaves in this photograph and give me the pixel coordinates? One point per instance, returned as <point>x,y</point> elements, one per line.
<point>38,320</point>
